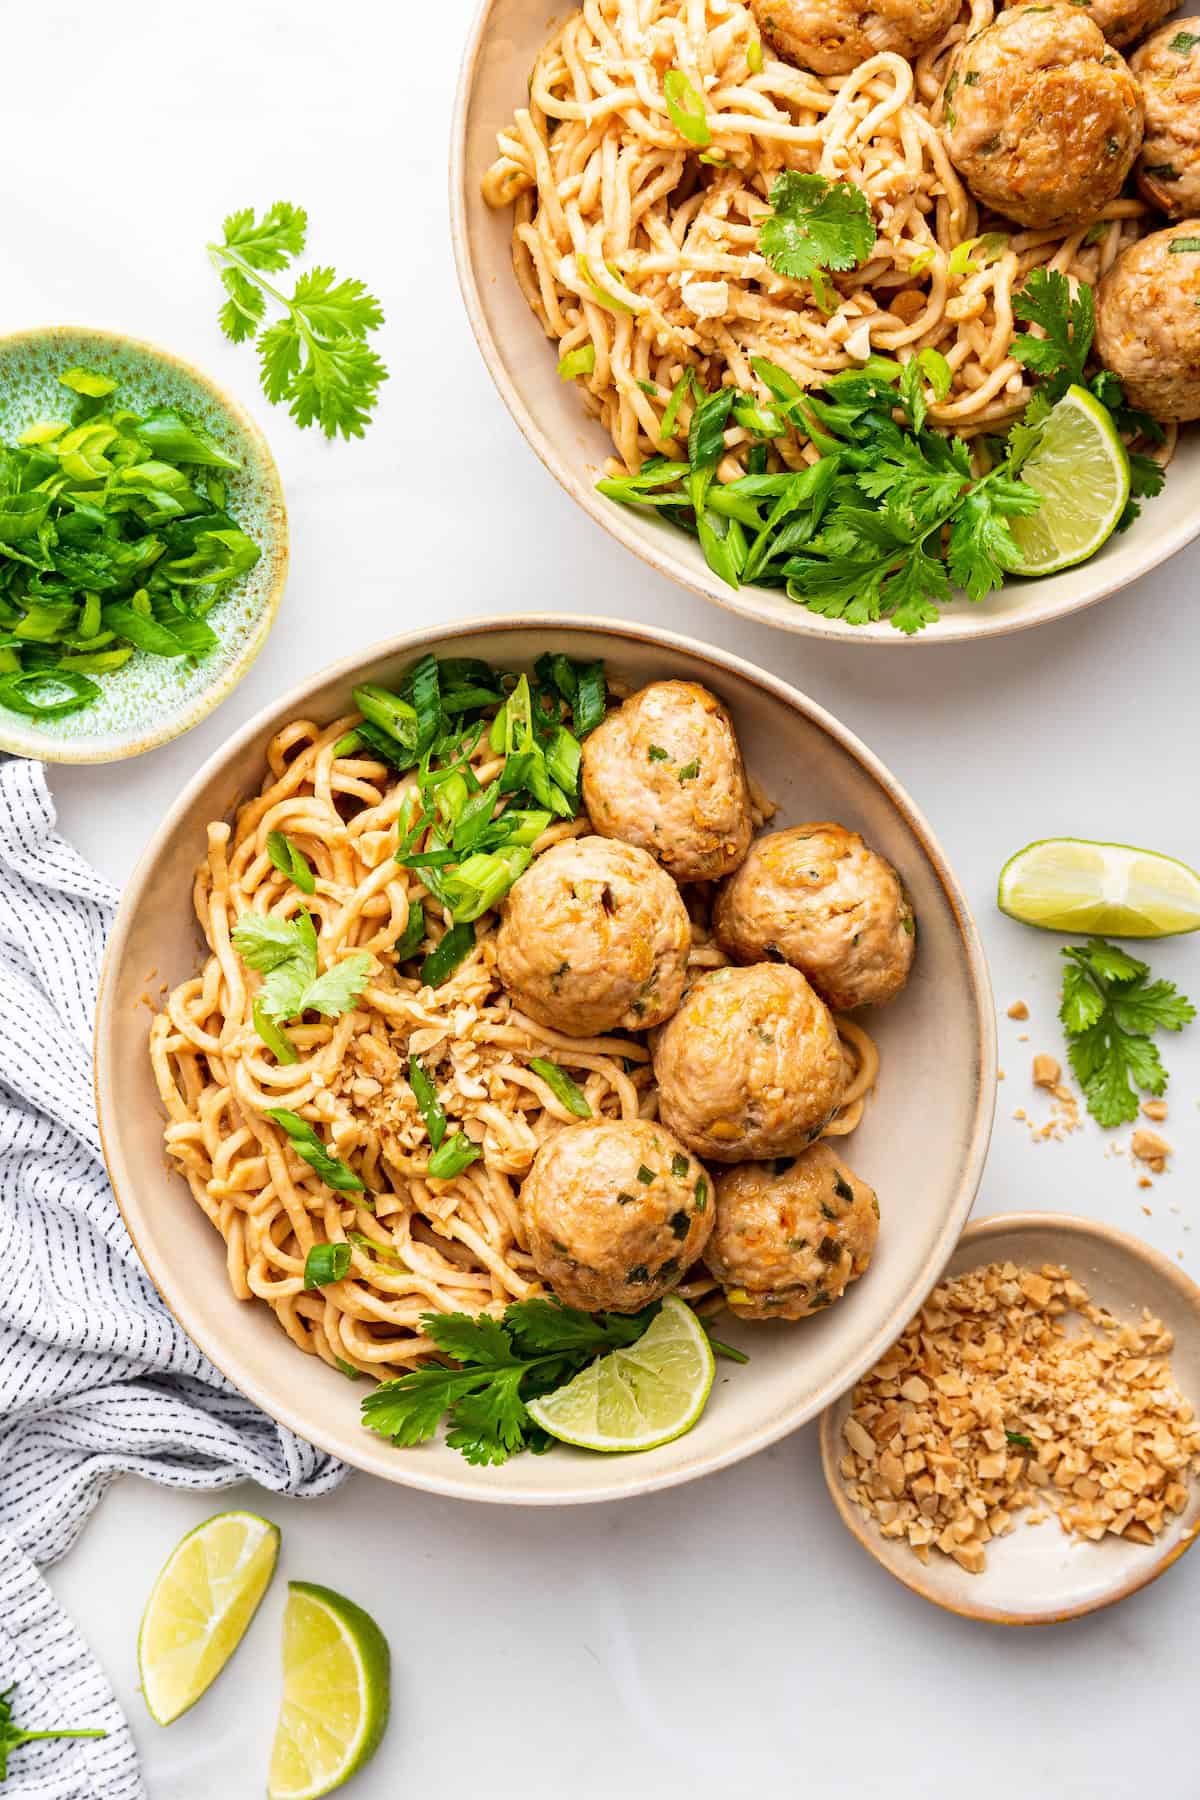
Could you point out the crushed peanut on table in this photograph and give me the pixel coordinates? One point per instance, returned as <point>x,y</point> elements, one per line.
<point>987,1406</point>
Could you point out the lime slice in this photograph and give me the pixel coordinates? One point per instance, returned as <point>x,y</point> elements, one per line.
<point>336,1693</point>
<point>1072,884</point>
<point>199,1607</point>
<point>636,1398</point>
<point>1082,473</point>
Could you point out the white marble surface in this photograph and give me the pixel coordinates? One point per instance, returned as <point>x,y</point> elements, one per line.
<point>729,1636</point>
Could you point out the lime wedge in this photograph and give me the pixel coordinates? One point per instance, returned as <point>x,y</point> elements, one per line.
<point>636,1398</point>
<point>1081,470</point>
<point>199,1607</point>
<point>1072,884</point>
<point>336,1693</point>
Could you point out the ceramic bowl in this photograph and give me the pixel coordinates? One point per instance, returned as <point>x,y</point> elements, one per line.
<point>936,1040</point>
<point>501,50</point>
<point>1040,1576</point>
<point>153,698</point>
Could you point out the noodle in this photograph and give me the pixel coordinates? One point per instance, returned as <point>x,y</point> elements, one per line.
<point>415,1244</point>
<point>622,239</point>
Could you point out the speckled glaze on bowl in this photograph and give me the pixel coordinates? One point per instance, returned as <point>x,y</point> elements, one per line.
<point>1041,1576</point>
<point>153,698</point>
<point>521,359</point>
<point>937,1041</point>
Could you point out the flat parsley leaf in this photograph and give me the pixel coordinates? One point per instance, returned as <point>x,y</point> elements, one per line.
<point>284,951</point>
<point>1068,322</point>
<point>1109,1009</point>
<point>816,224</point>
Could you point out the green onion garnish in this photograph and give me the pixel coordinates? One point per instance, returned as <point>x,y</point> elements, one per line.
<point>291,862</point>
<point>325,1263</point>
<point>686,109</point>
<point>566,1091</point>
<point>427,1101</point>
<point>452,1157</point>
<point>273,1035</point>
<point>441,962</point>
<point>581,361</point>
<point>413,935</point>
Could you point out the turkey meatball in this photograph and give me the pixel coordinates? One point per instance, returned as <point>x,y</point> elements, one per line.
<point>789,1239</point>
<point>1148,321</point>
<point>1124,21</point>
<point>1042,118</point>
<point>819,898</point>
<point>1167,68</point>
<point>834,36</point>
<point>594,936</point>
<point>616,1210</point>
<point>750,1065</point>
<point>664,771</point>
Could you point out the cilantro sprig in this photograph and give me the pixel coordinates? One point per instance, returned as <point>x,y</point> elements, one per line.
<point>816,225</point>
<point>1110,1009</point>
<point>500,1364</point>
<point>315,357</point>
<point>285,952</point>
<point>12,1736</point>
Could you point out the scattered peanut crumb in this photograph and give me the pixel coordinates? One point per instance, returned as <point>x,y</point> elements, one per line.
<point>1144,1181</point>
<point>1046,1072</point>
<point>1155,1109</point>
<point>999,1074</point>
<point>1018,1010</point>
<point>986,1407</point>
<point>1150,1149</point>
<point>1022,1037</point>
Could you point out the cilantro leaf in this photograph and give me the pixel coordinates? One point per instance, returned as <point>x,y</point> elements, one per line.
<point>1068,322</point>
<point>501,1363</point>
<point>815,224</point>
<point>285,952</point>
<point>1109,1009</point>
<point>315,357</point>
<point>982,548</point>
<point>271,243</point>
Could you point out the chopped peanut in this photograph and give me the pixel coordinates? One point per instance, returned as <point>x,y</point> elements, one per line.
<point>1018,1010</point>
<point>1046,1072</point>
<point>1150,1148</point>
<point>987,1407</point>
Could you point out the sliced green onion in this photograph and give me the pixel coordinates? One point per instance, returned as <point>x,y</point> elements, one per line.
<point>1184,246</point>
<point>307,1144</point>
<point>600,293</point>
<point>591,701</point>
<point>441,962</point>
<point>291,862</point>
<point>176,440</point>
<point>21,693</point>
<point>482,881</point>
<point>924,259</point>
<point>427,1101</point>
<point>686,109</point>
<point>389,714</point>
<point>563,757</point>
<point>687,380</point>
<point>413,935</point>
<point>325,1263</point>
<point>87,381</point>
<point>452,1157</point>
<point>566,1091</point>
<point>777,381</point>
<point>577,362</point>
<point>273,1035</point>
<point>754,56</point>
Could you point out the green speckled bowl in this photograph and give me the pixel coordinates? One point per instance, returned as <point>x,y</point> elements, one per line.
<point>153,698</point>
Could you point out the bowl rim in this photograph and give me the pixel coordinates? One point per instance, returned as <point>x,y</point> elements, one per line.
<point>959,626</point>
<point>171,1282</point>
<point>979,1233</point>
<point>276,551</point>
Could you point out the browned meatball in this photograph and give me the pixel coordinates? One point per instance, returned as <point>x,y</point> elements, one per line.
<point>664,771</point>
<point>789,1239</point>
<point>616,1211</point>
<point>834,36</point>
<point>1124,21</point>
<point>1148,321</point>
<point>751,1064</point>
<point>594,936</point>
<point>820,898</point>
<point>1042,119</point>
<point>1167,67</point>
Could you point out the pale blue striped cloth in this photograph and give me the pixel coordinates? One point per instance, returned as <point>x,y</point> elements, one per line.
<point>96,1378</point>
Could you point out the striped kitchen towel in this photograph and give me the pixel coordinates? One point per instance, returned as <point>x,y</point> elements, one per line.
<point>96,1377</point>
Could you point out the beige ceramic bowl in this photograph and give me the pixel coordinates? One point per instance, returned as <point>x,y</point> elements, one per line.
<point>522,362</point>
<point>1040,1576</point>
<point>937,1042</point>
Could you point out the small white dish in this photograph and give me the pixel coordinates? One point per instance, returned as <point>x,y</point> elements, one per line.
<point>1040,1575</point>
